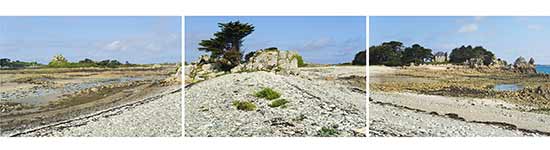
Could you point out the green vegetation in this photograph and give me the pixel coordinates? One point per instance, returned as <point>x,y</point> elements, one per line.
<point>271,49</point>
<point>227,43</point>
<point>249,55</point>
<point>279,102</point>
<point>268,93</point>
<point>464,53</point>
<point>417,54</point>
<point>327,132</point>
<point>300,61</point>
<point>7,63</point>
<point>60,62</point>
<point>360,58</point>
<point>394,53</point>
<point>244,105</point>
<point>389,54</point>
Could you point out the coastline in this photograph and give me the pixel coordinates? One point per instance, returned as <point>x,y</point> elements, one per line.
<point>436,101</point>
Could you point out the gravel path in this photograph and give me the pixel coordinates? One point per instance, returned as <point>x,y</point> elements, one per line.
<point>314,104</point>
<point>406,114</point>
<point>159,115</point>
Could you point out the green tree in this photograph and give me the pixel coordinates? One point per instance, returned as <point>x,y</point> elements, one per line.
<point>461,54</point>
<point>360,58</point>
<point>227,43</point>
<point>417,54</point>
<point>389,53</point>
<point>4,62</point>
<point>86,61</point>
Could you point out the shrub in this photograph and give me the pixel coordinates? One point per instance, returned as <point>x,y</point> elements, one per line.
<point>360,58</point>
<point>244,105</point>
<point>278,102</point>
<point>271,49</point>
<point>300,61</point>
<point>58,61</point>
<point>327,132</point>
<point>268,93</point>
<point>248,56</point>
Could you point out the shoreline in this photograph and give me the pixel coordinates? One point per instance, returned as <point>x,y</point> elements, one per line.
<point>450,100</point>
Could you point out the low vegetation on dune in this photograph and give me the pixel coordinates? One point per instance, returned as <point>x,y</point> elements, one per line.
<point>244,105</point>
<point>279,103</point>
<point>268,93</point>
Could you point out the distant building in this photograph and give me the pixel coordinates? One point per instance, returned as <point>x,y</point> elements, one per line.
<point>441,57</point>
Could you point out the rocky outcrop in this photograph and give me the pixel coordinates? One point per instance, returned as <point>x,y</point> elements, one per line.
<point>271,60</point>
<point>522,66</point>
<point>474,62</point>
<point>175,79</point>
<point>202,69</point>
<point>285,62</point>
<point>499,63</point>
<point>360,58</point>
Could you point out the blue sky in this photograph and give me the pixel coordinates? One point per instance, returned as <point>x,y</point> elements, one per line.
<point>507,37</point>
<point>318,39</point>
<point>134,39</point>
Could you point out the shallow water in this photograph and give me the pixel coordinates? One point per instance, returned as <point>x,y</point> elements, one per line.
<point>543,69</point>
<point>508,87</point>
<point>37,96</point>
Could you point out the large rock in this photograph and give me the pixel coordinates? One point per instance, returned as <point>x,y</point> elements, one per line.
<point>360,58</point>
<point>499,63</point>
<point>522,66</point>
<point>202,69</point>
<point>272,61</point>
<point>474,62</point>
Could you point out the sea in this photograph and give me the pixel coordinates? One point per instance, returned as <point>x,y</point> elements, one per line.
<point>543,69</point>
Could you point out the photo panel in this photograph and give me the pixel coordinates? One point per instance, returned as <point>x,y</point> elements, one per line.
<point>459,76</point>
<point>99,76</point>
<point>275,76</point>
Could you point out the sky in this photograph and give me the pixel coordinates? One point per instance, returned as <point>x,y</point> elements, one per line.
<point>507,37</point>
<point>324,40</point>
<point>143,40</point>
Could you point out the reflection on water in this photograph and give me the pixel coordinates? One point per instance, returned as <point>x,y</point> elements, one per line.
<point>508,87</point>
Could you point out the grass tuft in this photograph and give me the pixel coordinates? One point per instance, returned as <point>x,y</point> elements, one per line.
<point>279,102</point>
<point>327,132</point>
<point>244,105</point>
<point>268,93</point>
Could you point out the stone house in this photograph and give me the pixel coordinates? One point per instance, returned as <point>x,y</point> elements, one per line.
<point>441,57</point>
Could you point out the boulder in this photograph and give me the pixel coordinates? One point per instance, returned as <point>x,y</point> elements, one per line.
<point>499,63</point>
<point>522,66</point>
<point>272,61</point>
<point>202,69</point>
<point>474,62</point>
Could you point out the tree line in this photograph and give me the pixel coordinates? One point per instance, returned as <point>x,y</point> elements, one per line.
<point>8,63</point>
<point>394,53</point>
<point>59,61</point>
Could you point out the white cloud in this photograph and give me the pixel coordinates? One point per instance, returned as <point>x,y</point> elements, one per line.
<point>115,45</point>
<point>536,27</point>
<point>468,28</point>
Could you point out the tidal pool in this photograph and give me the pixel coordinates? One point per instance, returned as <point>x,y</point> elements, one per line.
<point>507,87</point>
